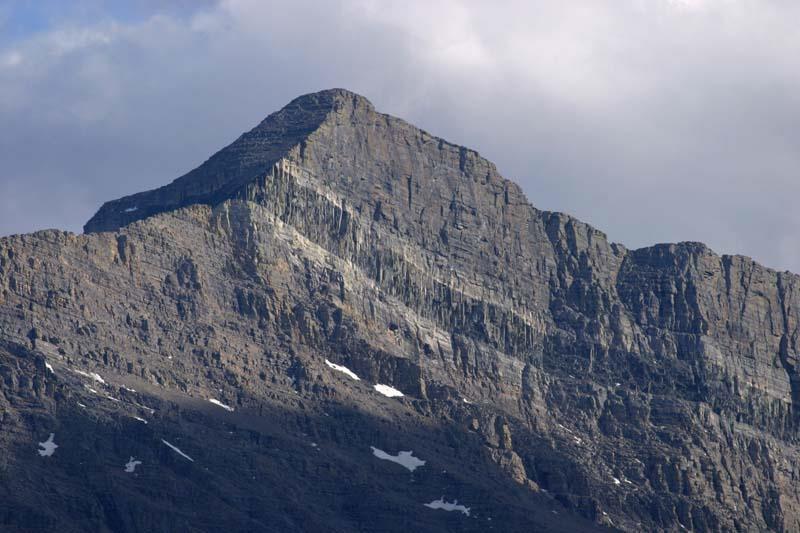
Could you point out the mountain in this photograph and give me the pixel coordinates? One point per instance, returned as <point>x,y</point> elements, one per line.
<point>213,329</point>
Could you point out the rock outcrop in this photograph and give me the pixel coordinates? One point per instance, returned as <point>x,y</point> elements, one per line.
<point>552,380</point>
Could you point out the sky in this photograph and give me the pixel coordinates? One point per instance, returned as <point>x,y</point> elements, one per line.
<point>653,120</point>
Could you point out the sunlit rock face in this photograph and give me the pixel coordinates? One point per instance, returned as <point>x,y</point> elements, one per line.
<point>338,283</point>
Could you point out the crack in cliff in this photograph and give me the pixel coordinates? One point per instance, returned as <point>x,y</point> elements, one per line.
<point>788,361</point>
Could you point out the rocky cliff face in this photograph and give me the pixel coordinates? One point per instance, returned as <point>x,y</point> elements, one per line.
<point>552,380</point>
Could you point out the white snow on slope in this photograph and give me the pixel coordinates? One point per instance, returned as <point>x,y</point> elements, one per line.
<point>405,459</point>
<point>131,465</point>
<point>49,367</point>
<point>49,447</point>
<point>177,450</point>
<point>446,506</point>
<point>131,209</point>
<point>343,369</point>
<point>144,407</point>
<point>140,419</point>
<point>386,390</point>
<point>219,403</point>
<point>93,375</point>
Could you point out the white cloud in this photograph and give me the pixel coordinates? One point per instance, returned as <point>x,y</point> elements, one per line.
<point>11,59</point>
<point>654,120</point>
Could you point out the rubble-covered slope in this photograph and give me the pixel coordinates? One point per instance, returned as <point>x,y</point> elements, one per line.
<point>551,379</point>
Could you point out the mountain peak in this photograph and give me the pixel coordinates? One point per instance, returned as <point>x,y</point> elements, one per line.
<point>534,366</point>
<point>226,172</point>
<point>331,98</point>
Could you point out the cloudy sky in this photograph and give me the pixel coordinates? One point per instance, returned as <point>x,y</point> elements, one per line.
<point>654,120</point>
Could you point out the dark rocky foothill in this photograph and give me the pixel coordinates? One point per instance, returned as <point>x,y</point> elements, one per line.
<point>552,380</point>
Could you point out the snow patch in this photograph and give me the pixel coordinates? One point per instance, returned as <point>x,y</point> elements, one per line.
<point>130,466</point>
<point>343,369</point>
<point>388,391</point>
<point>49,447</point>
<point>177,450</point>
<point>131,209</point>
<point>404,459</point>
<point>128,389</point>
<point>219,403</point>
<point>616,481</point>
<point>93,375</point>
<point>446,506</point>
<point>90,389</point>
<point>144,407</point>
<point>142,420</point>
<point>49,367</point>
